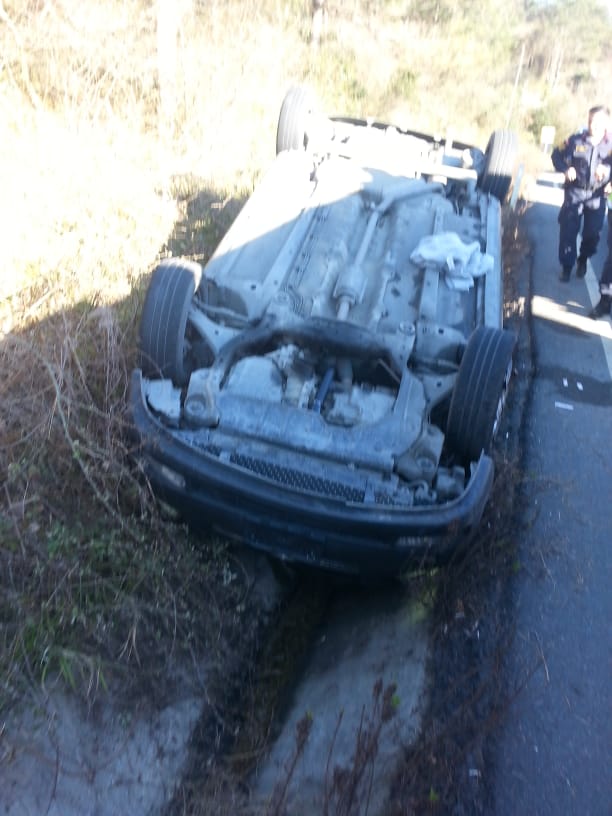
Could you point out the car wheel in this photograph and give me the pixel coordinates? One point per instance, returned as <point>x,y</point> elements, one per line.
<point>297,106</point>
<point>499,163</point>
<point>164,347</point>
<point>480,392</point>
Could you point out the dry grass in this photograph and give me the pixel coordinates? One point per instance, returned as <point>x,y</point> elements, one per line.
<point>94,580</point>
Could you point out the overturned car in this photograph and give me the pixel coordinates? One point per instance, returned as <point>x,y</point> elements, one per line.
<point>327,389</point>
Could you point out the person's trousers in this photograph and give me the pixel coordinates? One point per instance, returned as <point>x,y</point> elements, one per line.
<point>571,217</point>
<point>605,282</point>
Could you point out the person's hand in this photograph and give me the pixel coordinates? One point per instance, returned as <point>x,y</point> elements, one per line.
<point>571,174</point>
<point>601,172</point>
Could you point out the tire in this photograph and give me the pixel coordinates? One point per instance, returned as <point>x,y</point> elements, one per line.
<point>480,393</point>
<point>164,348</point>
<point>499,163</point>
<point>297,106</point>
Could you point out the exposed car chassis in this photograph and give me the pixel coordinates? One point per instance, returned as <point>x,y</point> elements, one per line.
<point>328,388</point>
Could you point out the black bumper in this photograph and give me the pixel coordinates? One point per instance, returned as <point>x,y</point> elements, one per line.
<point>334,535</point>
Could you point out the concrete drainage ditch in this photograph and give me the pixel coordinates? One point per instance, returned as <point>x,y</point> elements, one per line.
<point>360,699</point>
<point>352,681</point>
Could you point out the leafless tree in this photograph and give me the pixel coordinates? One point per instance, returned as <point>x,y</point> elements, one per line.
<point>319,21</point>
<point>170,16</point>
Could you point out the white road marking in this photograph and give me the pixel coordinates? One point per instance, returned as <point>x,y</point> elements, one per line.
<point>548,309</point>
<point>592,284</point>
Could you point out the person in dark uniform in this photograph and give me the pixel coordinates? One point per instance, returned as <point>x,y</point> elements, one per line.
<point>604,307</point>
<point>582,159</point>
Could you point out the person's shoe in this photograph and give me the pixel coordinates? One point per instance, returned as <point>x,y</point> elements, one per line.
<point>581,266</point>
<point>564,275</point>
<point>602,309</point>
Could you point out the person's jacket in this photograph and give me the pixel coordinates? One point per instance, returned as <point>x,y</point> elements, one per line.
<point>578,152</point>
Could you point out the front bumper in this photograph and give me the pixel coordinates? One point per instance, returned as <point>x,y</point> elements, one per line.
<point>324,532</point>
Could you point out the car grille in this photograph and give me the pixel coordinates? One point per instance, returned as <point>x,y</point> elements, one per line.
<point>298,479</point>
<point>301,480</point>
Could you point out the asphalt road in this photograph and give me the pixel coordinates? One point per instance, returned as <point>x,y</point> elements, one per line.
<point>554,750</point>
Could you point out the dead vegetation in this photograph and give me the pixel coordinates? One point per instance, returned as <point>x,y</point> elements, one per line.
<point>95,581</point>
